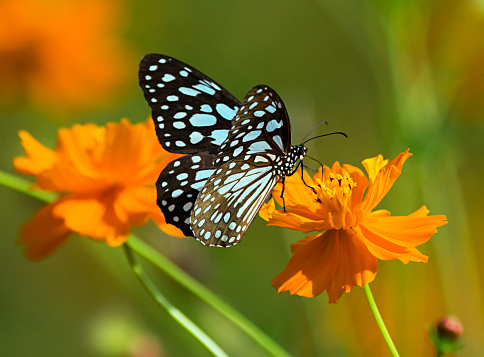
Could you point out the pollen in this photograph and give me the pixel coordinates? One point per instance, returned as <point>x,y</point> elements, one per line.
<point>334,184</point>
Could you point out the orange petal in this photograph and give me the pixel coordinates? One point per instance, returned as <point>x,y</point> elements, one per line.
<point>373,165</point>
<point>384,181</point>
<point>408,231</point>
<point>43,234</point>
<point>296,222</point>
<point>39,158</point>
<point>334,261</point>
<point>135,201</point>
<point>384,249</point>
<point>267,210</point>
<point>90,216</point>
<point>296,193</point>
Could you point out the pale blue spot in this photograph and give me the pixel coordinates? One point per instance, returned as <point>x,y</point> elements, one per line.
<point>188,107</point>
<point>153,68</point>
<point>204,88</point>
<point>196,159</point>
<point>207,235</point>
<point>184,73</point>
<point>259,113</point>
<point>200,120</point>
<point>153,100</point>
<point>273,125</point>
<point>260,125</point>
<point>227,217</point>
<point>238,151</point>
<point>195,138</point>
<point>197,185</point>
<point>278,141</point>
<point>201,222</point>
<point>176,193</point>
<point>203,174</point>
<point>179,125</point>
<point>180,115</point>
<point>182,176</point>
<point>172,98</point>
<point>253,105</point>
<point>219,136</point>
<point>179,143</point>
<point>164,107</point>
<point>168,78</point>
<point>225,111</point>
<point>188,91</point>
<point>257,147</point>
<point>224,238</point>
<point>160,85</point>
<point>206,108</point>
<point>232,225</point>
<point>245,167</point>
<point>234,177</point>
<point>147,78</point>
<point>218,234</point>
<point>271,109</point>
<point>251,136</point>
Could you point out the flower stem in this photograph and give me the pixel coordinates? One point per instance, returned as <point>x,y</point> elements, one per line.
<point>206,295</point>
<point>171,310</point>
<point>379,321</point>
<point>22,185</point>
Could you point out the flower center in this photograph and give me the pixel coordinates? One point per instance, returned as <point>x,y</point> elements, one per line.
<point>334,193</point>
<point>334,185</point>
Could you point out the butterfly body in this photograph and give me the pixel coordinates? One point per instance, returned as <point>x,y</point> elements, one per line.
<point>235,151</point>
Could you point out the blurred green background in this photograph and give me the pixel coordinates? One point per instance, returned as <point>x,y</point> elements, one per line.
<point>391,74</point>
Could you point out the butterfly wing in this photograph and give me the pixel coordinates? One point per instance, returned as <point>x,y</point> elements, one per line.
<point>178,186</point>
<point>257,142</point>
<point>230,200</point>
<point>260,126</point>
<point>192,113</point>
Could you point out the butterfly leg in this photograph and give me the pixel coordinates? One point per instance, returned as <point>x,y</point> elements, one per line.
<point>282,194</point>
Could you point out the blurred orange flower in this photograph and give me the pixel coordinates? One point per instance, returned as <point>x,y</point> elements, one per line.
<point>355,236</point>
<point>106,180</point>
<point>61,54</point>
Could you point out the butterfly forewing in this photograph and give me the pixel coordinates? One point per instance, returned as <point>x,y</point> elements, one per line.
<point>192,113</point>
<point>230,200</point>
<point>178,187</point>
<point>260,126</point>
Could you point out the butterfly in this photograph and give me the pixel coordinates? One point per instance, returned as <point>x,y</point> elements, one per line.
<point>235,152</point>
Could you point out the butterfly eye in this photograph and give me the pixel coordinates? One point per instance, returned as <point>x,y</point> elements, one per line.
<point>235,152</point>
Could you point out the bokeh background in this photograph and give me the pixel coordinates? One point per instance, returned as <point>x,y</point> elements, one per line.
<point>391,74</point>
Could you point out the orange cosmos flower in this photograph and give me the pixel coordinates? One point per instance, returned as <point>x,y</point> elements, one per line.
<point>61,54</point>
<point>106,180</point>
<point>354,235</point>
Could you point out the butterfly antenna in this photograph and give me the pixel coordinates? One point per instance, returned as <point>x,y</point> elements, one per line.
<point>320,136</point>
<point>312,158</point>
<point>313,129</point>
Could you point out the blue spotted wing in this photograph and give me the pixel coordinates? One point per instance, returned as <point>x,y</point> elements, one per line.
<point>192,113</point>
<point>255,155</point>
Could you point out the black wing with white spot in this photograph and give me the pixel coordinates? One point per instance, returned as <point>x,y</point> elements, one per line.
<point>178,187</point>
<point>230,200</point>
<point>260,126</point>
<point>192,113</point>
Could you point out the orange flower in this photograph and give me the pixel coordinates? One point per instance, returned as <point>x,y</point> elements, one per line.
<point>61,54</point>
<point>355,236</point>
<point>105,177</point>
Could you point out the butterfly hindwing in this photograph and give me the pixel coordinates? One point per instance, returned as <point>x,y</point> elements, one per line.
<point>192,113</point>
<point>230,199</point>
<point>178,186</point>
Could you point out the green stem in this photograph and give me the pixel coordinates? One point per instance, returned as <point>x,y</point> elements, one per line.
<point>24,186</point>
<point>170,269</point>
<point>171,310</point>
<point>206,295</point>
<point>379,321</point>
